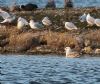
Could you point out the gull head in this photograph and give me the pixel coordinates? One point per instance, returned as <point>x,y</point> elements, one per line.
<point>67,48</point>
<point>88,15</point>
<point>19,19</point>
<point>46,17</point>
<point>32,21</point>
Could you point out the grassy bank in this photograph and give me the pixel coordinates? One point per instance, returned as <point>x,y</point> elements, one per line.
<point>52,39</point>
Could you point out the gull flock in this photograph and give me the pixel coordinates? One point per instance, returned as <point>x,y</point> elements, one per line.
<point>90,20</point>
<point>22,22</point>
<point>84,18</point>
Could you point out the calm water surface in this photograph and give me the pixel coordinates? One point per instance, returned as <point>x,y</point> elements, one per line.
<point>49,70</point>
<point>59,3</point>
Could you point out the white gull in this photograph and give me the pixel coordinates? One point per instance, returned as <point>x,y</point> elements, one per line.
<point>21,23</point>
<point>83,17</point>
<point>97,22</point>
<point>46,21</point>
<point>4,14</point>
<point>35,25</point>
<point>70,26</point>
<point>90,20</point>
<point>9,19</point>
<point>70,53</point>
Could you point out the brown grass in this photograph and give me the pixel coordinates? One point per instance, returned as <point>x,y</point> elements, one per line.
<point>94,37</point>
<point>59,40</point>
<point>22,41</point>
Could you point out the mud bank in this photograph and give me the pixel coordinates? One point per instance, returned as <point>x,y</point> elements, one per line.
<point>52,39</point>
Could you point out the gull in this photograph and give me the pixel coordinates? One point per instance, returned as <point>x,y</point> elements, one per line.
<point>21,23</point>
<point>83,17</point>
<point>70,26</point>
<point>4,14</point>
<point>70,53</point>
<point>35,25</point>
<point>8,18</point>
<point>90,20</point>
<point>46,21</point>
<point>97,51</point>
<point>97,22</point>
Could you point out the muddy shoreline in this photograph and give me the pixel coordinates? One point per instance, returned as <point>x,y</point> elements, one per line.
<point>52,39</point>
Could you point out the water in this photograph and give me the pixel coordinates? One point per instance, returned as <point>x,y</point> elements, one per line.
<point>59,3</point>
<point>49,70</point>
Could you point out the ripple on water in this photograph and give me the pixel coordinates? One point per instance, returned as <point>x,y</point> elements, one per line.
<point>49,70</point>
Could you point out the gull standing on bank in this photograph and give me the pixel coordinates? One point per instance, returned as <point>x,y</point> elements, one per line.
<point>21,23</point>
<point>8,18</point>
<point>4,14</point>
<point>83,17</point>
<point>90,20</point>
<point>46,21</point>
<point>97,22</point>
<point>35,25</point>
<point>70,53</point>
<point>70,26</point>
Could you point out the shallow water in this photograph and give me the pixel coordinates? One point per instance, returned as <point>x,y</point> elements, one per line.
<point>49,70</point>
<point>59,3</point>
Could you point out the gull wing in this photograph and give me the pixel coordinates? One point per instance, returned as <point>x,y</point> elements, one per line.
<point>70,25</point>
<point>4,15</point>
